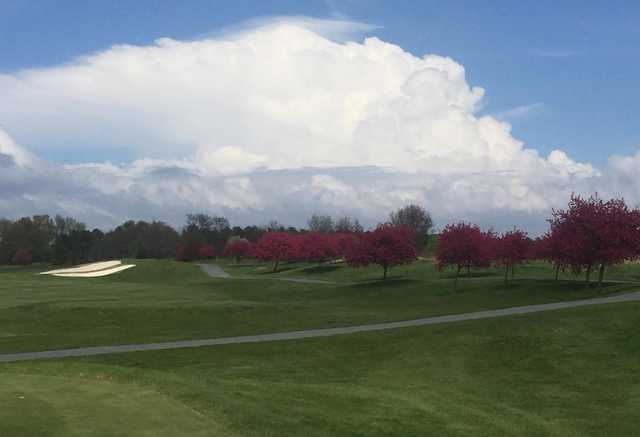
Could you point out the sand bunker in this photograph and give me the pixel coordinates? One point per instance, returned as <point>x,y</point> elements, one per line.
<point>85,268</point>
<point>96,274</point>
<point>94,270</point>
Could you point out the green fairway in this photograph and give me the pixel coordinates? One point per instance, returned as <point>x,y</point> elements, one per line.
<point>165,300</point>
<point>565,373</point>
<point>560,373</point>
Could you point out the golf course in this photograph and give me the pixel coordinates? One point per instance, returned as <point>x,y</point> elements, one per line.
<point>321,218</point>
<point>561,372</point>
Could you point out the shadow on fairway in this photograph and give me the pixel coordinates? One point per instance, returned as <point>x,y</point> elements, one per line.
<point>474,275</point>
<point>240,265</point>
<point>281,269</point>
<point>391,281</point>
<point>319,270</point>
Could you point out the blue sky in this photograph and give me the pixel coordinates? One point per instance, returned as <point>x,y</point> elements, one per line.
<point>572,66</point>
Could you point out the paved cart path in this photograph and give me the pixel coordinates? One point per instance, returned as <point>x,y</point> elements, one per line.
<point>216,271</point>
<point>80,352</point>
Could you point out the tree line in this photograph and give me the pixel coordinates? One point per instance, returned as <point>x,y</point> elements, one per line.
<point>386,246</point>
<point>65,240</point>
<point>589,234</point>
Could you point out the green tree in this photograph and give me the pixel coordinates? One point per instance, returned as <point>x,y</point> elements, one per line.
<point>320,223</point>
<point>415,218</point>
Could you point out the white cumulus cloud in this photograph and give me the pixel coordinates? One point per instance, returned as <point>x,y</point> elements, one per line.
<point>278,120</point>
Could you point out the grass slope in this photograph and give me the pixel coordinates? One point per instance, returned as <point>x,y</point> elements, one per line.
<point>562,373</point>
<point>164,301</point>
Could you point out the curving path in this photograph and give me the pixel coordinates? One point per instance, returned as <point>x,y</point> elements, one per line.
<point>81,352</point>
<point>216,271</point>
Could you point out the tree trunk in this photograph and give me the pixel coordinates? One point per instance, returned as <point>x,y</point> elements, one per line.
<point>468,269</point>
<point>384,276</point>
<point>513,271</point>
<point>506,273</point>
<point>557,270</point>
<point>588,275</point>
<point>455,282</point>
<point>601,275</point>
<point>275,266</point>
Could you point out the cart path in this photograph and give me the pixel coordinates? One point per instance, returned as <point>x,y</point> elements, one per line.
<point>216,271</point>
<point>327,332</point>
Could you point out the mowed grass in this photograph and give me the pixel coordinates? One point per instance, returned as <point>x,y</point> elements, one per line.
<point>166,301</point>
<point>560,373</point>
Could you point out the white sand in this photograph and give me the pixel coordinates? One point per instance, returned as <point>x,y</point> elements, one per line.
<point>85,268</point>
<point>96,274</point>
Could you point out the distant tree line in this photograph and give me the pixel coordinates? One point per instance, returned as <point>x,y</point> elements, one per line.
<point>587,237</point>
<point>65,240</point>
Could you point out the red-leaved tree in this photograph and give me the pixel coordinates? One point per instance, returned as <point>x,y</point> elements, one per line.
<point>464,245</point>
<point>343,242</point>
<point>315,247</point>
<point>553,248</point>
<point>592,233</point>
<point>275,247</point>
<point>237,248</point>
<point>206,252</point>
<point>387,246</point>
<point>511,248</point>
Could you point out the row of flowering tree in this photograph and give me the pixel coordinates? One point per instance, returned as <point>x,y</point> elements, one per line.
<point>466,246</point>
<point>590,234</point>
<point>386,246</point>
<point>276,247</point>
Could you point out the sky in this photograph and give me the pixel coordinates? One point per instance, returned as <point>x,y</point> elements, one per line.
<point>493,112</point>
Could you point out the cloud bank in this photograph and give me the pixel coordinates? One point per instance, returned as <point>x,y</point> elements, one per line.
<point>278,120</point>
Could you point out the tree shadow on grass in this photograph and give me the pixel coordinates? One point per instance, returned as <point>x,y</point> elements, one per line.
<point>474,275</point>
<point>390,282</point>
<point>319,269</point>
<point>281,269</point>
<point>241,265</point>
<point>489,274</point>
